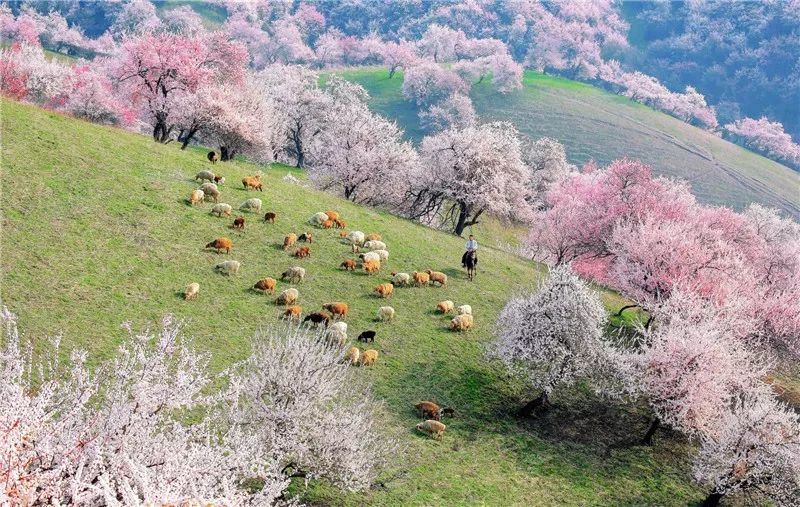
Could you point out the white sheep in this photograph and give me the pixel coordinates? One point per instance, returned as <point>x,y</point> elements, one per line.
<point>191,291</point>
<point>197,196</point>
<point>461,322</point>
<point>336,335</point>
<point>221,209</point>
<point>386,313</point>
<point>205,175</point>
<point>252,204</point>
<point>318,218</point>
<point>375,245</point>
<point>370,256</point>
<point>295,274</point>
<point>465,310</point>
<point>288,296</point>
<point>399,279</point>
<point>209,188</point>
<point>342,326</point>
<point>291,179</point>
<point>383,254</point>
<point>355,237</point>
<point>228,267</point>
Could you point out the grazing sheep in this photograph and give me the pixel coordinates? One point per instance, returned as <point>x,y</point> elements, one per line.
<point>221,209</point>
<point>383,255</point>
<point>420,278</point>
<point>295,274</point>
<point>289,240</point>
<point>386,313</point>
<point>433,428</point>
<point>253,182</point>
<point>428,410</point>
<point>375,245</point>
<point>465,310</point>
<point>318,218</point>
<point>206,187</point>
<point>342,234</point>
<point>270,217</point>
<point>293,313</point>
<point>368,357</point>
<point>196,197</point>
<point>352,355</point>
<point>266,285</point>
<point>288,297</point>
<point>204,175</point>
<point>355,237</point>
<point>221,244</point>
<point>371,266</point>
<point>366,336</point>
<point>341,326</point>
<point>252,204</point>
<point>402,279</point>
<point>355,248</point>
<point>437,277</point>
<point>370,256</point>
<point>340,224</point>
<point>445,306</point>
<point>336,336</point>
<point>219,180</point>
<point>385,290</point>
<point>461,322</point>
<point>332,215</point>
<point>302,252</point>
<point>238,223</point>
<point>348,265</point>
<point>327,224</point>
<point>306,237</point>
<point>191,291</point>
<point>338,310</point>
<point>211,191</point>
<point>212,156</point>
<point>318,318</point>
<point>228,267</point>
<point>449,412</point>
<point>373,237</point>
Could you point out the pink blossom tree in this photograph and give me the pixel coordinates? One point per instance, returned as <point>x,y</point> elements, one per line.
<point>766,137</point>
<point>286,44</point>
<point>456,111</point>
<point>440,43</point>
<point>428,83</point>
<point>137,17</point>
<point>183,20</point>
<point>398,55</point>
<point>91,96</point>
<point>547,160</point>
<point>25,73</point>
<point>469,172</point>
<point>552,337</point>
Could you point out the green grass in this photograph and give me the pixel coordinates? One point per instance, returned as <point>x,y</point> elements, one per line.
<point>95,231</point>
<point>596,125</point>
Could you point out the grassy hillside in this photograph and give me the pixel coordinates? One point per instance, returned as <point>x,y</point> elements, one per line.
<point>95,231</point>
<point>596,125</point>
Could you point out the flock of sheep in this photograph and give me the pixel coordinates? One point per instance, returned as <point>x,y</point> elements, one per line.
<point>333,314</point>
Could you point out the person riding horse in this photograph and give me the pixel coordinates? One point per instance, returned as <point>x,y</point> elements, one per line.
<point>471,246</point>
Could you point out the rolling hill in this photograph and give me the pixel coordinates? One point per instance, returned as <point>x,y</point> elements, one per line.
<point>96,231</point>
<point>597,125</point>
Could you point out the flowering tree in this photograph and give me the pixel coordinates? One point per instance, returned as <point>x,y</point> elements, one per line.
<point>469,172</point>
<point>547,161</point>
<point>286,44</point>
<point>766,137</point>
<point>427,83</point>
<point>155,71</point>
<point>91,96</point>
<point>25,73</point>
<point>137,17</point>
<point>440,43</point>
<point>398,55</point>
<point>455,111</point>
<point>183,20</point>
<point>360,153</point>
<point>553,337</point>
<point>755,449</point>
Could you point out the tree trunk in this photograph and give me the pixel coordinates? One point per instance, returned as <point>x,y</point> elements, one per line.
<point>187,138</point>
<point>226,154</point>
<point>391,72</point>
<point>298,149</point>
<point>648,437</point>
<point>626,307</point>
<point>712,500</point>
<point>463,214</point>
<point>532,405</point>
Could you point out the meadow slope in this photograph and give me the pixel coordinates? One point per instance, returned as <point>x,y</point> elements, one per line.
<point>597,125</point>
<point>96,231</point>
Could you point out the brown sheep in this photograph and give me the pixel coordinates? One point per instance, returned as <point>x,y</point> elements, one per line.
<point>306,237</point>
<point>373,237</point>
<point>289,240</point>
<point>352,355</point>
<point>270,217</point>
<point>433,428</point>
<point>338,310</point>
<point>421,278</point>
<point>332,215</point>
<point>219,180</point>
<point>385,289</point>
<point>266,285</point>
<point>221,244</point>
<point>302,252</point>
<point>238,223</point>
<point>318,318</point>
<point>197,196</point>
<point>253,182</point>
<point>445,306</point>
<point>428,410</point>
<point>213,193</point>
<point>293,313</point>
<point>368,357</point>
<point>348,265</point>
<point>213,156</point>
<point>372,266</point>
<point>437,277</point>
<point>461,322</point>
<point>342,234</point>
<point>327,224</point>
<point>340,224</point>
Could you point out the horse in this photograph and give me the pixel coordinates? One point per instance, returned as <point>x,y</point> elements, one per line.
<point>471,263</point>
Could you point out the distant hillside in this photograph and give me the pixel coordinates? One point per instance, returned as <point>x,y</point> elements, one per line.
<point>96,231</point>
<point>596,125</point>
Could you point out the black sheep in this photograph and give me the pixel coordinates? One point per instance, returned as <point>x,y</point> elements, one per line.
<point>367,336</point>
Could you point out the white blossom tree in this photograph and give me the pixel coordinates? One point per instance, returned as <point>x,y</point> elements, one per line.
<point>552,337</point>
<point>547,161</point>
<point>456,111</point>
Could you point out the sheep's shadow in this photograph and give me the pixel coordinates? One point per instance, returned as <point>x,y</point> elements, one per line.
<point>180,294</point>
